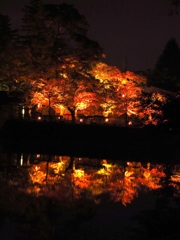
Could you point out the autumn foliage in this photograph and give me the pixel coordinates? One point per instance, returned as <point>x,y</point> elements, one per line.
<point>103,90</point>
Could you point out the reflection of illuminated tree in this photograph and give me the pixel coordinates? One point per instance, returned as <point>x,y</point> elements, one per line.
<point>123,190</point>
<point>119,183</point>
<point>45,191</point>
<point>64,179</point>
<point>170,188</point>
<point>175,183</point>
<point>126,185</point>
<point>163,221</point>
<point>152,177</point>
<point>46,177</point>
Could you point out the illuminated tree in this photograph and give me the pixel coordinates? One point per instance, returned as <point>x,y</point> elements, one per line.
<point>57,47</point>
<point>87,102</point>
<point>120,92</point>
<point>106,77</point>
<point>129,94</point>
<point>46,94</point>
<point>76,87</point>
<point>58,66</point>
<point>151,111</point>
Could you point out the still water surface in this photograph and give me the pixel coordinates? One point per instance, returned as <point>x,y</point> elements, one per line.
<point>65,197</point>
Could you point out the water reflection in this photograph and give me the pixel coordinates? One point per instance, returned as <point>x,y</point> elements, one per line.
<point>52,196</point>
<point>65,177</point>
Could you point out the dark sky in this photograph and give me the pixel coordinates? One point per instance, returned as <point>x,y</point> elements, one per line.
<point>132,32</point>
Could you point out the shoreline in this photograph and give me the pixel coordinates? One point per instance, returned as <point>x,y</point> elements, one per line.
<point>101,141</point>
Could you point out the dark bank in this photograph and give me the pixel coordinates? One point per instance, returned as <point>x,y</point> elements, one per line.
<point>148,143</point>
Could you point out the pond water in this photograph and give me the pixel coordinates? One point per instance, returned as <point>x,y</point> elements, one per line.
<point>66,197</point>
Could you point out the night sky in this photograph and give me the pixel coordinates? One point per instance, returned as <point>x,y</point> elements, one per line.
<point>133,33</point>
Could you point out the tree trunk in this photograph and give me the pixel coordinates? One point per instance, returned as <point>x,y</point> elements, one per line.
<point>71,166</point>
<point>73,114</point>
<point>49,107</point>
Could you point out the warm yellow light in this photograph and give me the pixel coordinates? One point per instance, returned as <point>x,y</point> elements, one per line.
<point>81,105</point>
<point>78,173</point>
<point>64,75</point>
<point>146,174</point>
<point>175,178</point>
<point>124,81</point>
<point>21,161</point>
<point>58,167</point>
<point>61,109</point>
<point>131,111</point>
<point>37,168</point>
<point>107,170</point>
<point>103,171</point>
<point>23,111</point>
<point>106,113</point>
<point>128,173</point>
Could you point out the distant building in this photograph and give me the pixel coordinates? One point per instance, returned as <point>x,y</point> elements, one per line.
<point>152,89</point>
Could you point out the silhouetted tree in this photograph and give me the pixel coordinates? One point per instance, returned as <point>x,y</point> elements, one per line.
<point>52,33</point>
<point>172,111</point>
<point>7,47</point>
<point>166,74</point>
<point>174,7</point>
